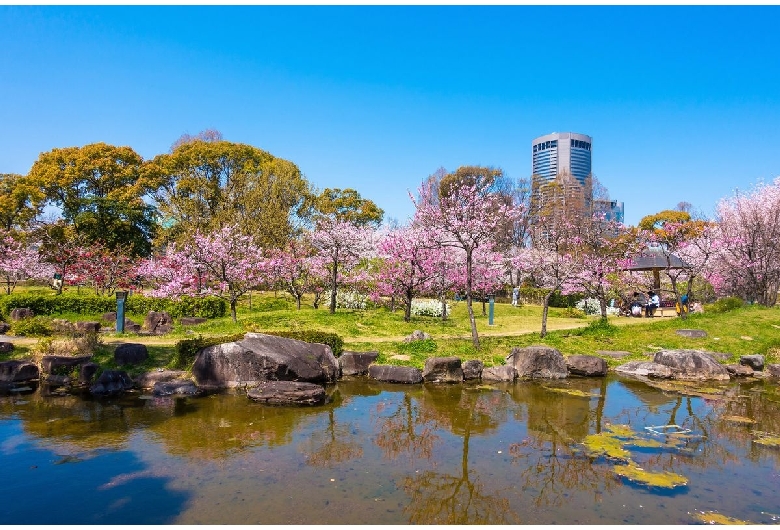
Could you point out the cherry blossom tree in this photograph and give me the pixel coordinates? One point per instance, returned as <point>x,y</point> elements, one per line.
<point>104,269</point>
<point>298,269</point>
<point>224,263</point>
<point>749,241</point>
<point>466,213</point>
<point>410,262</point>
<point>600,259</point>
<point>19,262</point>
<point>343,246</point>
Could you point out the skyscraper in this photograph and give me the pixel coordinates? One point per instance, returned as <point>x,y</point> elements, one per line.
<point>562,154</point>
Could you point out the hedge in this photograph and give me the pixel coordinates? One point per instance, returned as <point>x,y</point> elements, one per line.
<point>50,304</point>
<point>187,349</point>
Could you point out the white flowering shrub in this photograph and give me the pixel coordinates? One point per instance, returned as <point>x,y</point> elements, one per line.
<point>349,300</point>
<point>427,307</point>
<point>590,306</point>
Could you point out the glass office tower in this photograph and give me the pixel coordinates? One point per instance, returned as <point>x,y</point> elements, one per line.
<point>561,153</point>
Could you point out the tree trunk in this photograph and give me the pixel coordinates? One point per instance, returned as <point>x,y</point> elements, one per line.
<point>408,308</point>
<point>298,301</point>
<point>444,306</point>
<point>472,320</point>
<point>545,311</point>
<point>603,305</point>
<point>333,286</point>
<point>233,302</point>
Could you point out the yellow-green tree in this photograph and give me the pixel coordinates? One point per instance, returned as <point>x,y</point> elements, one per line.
<point>20,202</point>
<point>204,184</point>
<point>100,191</point>
<point>347,205</point>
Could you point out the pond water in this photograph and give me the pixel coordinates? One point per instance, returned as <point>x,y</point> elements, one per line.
<point>527,453</point>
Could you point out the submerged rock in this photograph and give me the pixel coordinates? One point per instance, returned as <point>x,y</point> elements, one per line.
<point>288,393</point>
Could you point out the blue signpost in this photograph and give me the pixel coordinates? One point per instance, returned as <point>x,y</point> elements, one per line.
<point>491,301</point>
<point>121,296</point>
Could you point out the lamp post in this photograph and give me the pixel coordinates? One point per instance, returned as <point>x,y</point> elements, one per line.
<point>121,297</point>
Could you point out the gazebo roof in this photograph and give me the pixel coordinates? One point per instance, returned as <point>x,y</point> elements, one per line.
<point>654,257</point>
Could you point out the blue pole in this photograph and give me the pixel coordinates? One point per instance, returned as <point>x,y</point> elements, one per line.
<point>490,310</point>
<point>121,296</point>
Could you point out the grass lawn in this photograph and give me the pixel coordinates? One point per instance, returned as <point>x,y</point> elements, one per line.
<point>749,330</point>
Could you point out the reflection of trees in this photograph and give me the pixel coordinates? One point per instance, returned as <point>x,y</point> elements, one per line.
<point>551,465</point>
<point>70,422</point>
<point>335,444</point>
<point>438,497</point>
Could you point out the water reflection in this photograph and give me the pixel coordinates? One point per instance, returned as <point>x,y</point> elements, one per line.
<point>395,454</point>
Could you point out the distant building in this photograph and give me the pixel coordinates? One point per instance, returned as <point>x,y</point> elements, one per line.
<point>612,210</point>
<point>561,180</point>
<point>562,153</point>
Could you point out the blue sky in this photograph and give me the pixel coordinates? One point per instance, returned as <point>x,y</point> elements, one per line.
<point>683,103</point>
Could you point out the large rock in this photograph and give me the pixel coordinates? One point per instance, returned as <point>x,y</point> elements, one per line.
<point>87,372</point>
<point>158,323</point>
<point>756,362</point>
<point>499,373</point>
<point>692,333</point>
<point>55,364</point>
<point>4,326</point>
<point>258,357</point>
<point>587,365</point>
<point>148,379</point>
<point>6,347</point>
<point>395,374</point>
<point>692,365</point>
<point>111,383</point>
<point>773,370</point>
<point>20,313</point>
<point>538,362</point>
<point>14,371</point>
<point>87,327</point>
<point>130,353</point>
<point>356,363</point>
<point>645,369</point>
<point>181,387</point>
<point>443,370</point>
<point>288,393</point>
<point>739,370</point>
<point>63,326</point>
<point>131,326</point>
<point>472,369</point>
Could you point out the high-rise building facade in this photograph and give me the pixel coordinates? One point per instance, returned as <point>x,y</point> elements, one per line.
<point>562,154</point>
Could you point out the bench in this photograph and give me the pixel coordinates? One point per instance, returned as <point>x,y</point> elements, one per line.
<point>666,305</point>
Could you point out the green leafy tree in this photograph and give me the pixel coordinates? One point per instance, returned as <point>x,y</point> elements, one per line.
<point>206,183</point>
<point>347,205</point>
<point>20,202</point>
<point>100,189</point>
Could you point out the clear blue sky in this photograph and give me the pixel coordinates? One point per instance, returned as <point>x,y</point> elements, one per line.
<point>683,103</point>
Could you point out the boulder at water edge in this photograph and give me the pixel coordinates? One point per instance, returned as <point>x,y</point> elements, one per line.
<point>16,371</point>
<point>130,353</point>
<point>258,358</point>
<point>538,362</point>
<point>443,370</point>
<point>756,362</point>
<point>692,365</point>
<point>642,369</point>
<point>500,373</point>
<point>111,383</point>
<point>472,370</point>
<point>287,393</point>
<point>395,374</point>
<point>586,365</point>
<point>356,363</point>
<point>181,387</point>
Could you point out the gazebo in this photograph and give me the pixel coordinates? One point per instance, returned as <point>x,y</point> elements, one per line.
<point>655,258</point>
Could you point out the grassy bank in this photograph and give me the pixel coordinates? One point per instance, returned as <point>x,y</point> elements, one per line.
<point>748,330</point>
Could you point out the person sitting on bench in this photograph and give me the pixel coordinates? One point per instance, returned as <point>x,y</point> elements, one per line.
<point>652,304</point>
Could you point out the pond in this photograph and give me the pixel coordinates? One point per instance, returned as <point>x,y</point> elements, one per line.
<point>578,451</point>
